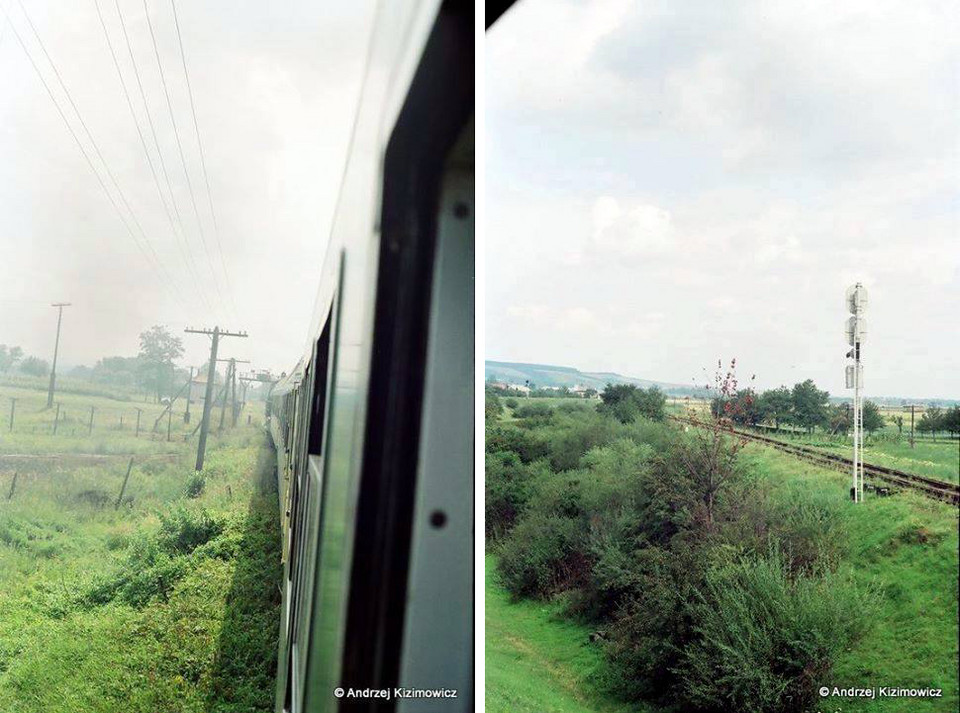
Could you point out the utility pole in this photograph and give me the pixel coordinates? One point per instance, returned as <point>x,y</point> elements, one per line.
<point>186,414</point>
<point>233,392</point>
<point>912,407</point>
<point>231,384</point>
<point>856,331</point>
<point>226,392</point>
<point>56,349</point>
<point>215,335</point>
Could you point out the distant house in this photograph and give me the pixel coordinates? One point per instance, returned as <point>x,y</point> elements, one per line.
<point>508,388</point>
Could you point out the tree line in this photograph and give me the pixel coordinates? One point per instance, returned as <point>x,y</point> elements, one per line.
<point>12,358</point>
<point>808,407</point>
<point>153,370</point>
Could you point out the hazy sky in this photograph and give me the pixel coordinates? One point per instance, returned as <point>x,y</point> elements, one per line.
<point>275,87</point>
<point>669,183</point>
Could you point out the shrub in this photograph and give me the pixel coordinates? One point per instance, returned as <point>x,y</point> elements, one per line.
<point>765,639</point>
<point>533,410</point>
<point>511,403</point>
<point>627,402</point>
<point>528,445</point>
<point>182,530</point>
<point>195,485</point>
<point>508,486</point>
<point>539,558</point>
<point>574,435</point>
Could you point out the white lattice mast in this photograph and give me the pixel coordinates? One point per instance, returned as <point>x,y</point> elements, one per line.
<point>856,331</point>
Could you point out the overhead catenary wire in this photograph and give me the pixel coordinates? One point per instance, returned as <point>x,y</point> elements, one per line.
<point>203,162</point>
<point>144,247</point>
<point>183,160</point>
<point>183,253</point>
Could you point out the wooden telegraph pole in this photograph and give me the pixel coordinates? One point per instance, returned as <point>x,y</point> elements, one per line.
<point>215,335</point>
<point>186,414</point>
<point>56,349</point>
<point>231,389</point>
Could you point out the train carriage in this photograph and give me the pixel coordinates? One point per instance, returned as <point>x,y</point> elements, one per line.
<point>373,427</point>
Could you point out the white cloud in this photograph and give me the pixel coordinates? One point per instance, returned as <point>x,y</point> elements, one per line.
<point>637,230</point>
<point>732,166</point>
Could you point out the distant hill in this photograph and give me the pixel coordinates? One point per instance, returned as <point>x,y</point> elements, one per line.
<point>541,375</point>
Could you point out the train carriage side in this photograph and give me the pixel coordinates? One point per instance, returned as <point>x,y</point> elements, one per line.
<point>374,426</point>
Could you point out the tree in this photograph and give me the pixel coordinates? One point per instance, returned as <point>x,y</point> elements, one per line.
<point>899,421</point>
<point>840,418</point>
<point>9,357</point>
<point>951,420</point>
<point>743,408</point>
<point>35,366</point>
<point>809,405</point>
<point>872,420</point>
<point>931,421</point>
<point>776,405</point>
<point>158,350</point>
<point>492,407</point>
<point>626,401</point>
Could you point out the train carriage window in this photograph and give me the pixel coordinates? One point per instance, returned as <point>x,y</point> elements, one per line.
<point>308,506</point>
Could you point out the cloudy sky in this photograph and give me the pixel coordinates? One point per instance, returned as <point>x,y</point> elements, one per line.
<point>671,183</point>
<point>275,87</point>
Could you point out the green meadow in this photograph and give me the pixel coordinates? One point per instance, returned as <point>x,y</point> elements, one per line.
<point>163,600</point>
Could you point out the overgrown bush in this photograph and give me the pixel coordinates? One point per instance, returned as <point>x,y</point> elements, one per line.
<point>195,486</point>
<point>528,445</point>
<point>764,639</point>
<point>716,593</point>
<point>533,410</point>
<point>156,561</point>
<point>540,556</point>
<point>183,530</point>
<point>508,485</point>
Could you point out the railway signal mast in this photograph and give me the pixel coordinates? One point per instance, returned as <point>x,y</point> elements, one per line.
<point>856,331</point>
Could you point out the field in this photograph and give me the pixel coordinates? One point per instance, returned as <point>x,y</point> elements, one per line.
<point>908,547</point>
<point>537,661</point>
<point>114,423</point>
<point>933,457</point>
<point>903,550</point>
<point>163,600</point>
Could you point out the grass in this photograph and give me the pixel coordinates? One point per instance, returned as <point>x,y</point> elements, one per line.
<point>114,424</point>
<point>936,460</point>
<point>907,546</point>
<point>169,603</point>
<point>536,660</point>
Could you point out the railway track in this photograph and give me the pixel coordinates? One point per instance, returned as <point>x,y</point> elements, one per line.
<point>931,487</point>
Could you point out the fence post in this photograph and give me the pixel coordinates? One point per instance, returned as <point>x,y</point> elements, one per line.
<point>90,429</point>
<point>123,487</point>
<point>139,411</point>
<point>13,410</point>
<point>13,485</point>
<point>169,414</point>
<point>56,419</point>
